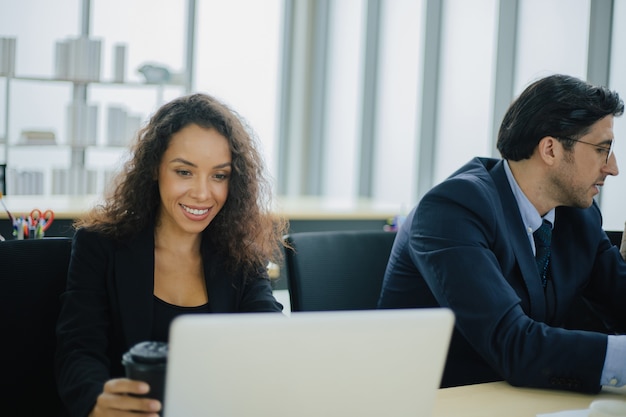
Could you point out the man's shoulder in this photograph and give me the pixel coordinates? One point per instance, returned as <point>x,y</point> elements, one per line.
<point>478,166</point>
<point>478,173</point>
<point>480,186</point>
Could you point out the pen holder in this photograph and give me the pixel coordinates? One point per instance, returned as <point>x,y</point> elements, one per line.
<point>23,229</point>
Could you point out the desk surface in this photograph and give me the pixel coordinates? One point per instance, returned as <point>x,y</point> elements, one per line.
<point>298,208</point>
<point>499,399</point>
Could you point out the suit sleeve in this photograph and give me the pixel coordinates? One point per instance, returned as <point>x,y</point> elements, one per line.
<point>232,292</point>
<point>81,358</point>
<point>258,295</point>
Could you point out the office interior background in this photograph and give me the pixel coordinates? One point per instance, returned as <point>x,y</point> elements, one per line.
<point>351,100</point>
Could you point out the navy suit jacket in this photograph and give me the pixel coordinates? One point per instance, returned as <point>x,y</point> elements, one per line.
<point>465,247</point>
<point>107,308</point>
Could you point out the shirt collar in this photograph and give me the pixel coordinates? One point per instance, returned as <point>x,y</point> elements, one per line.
<point>530,216</point>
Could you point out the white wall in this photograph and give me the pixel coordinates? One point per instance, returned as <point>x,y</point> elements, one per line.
<point>614,192</point>
<point>237,59</point>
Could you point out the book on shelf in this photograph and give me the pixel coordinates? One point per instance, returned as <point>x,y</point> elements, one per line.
<point>121,126</point>
<point>7,56</point>
<point>78,59</point>
<point>74,181</point>
<point>37,137</point>
<point>24,182</point>
<point>119,63</point>
<point>82,124</point>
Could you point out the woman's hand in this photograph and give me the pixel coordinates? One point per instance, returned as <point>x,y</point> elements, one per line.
<point>115,400</point>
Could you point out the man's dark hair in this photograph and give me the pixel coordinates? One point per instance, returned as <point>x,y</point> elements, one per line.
<point>558,105</point>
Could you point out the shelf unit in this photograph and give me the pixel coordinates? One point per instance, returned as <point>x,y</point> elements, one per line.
<point>66,165</point>
<point>45,176</point>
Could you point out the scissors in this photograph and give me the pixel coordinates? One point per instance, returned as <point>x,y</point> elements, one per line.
<point>43,219</point>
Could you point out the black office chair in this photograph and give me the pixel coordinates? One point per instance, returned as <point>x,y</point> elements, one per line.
<point>32,278</point>
<point>338,270</point>
<point>615,236</point>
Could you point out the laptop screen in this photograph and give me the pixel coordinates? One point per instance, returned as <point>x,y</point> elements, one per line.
<point>370,363</point>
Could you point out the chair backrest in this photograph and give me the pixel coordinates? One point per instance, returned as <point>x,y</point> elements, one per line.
<point>615,236</point>
<point>32,277</point>
<point>618,238</point>
<point>337,270</point>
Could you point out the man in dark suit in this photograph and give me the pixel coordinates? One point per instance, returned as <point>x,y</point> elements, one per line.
<point>469,245</point>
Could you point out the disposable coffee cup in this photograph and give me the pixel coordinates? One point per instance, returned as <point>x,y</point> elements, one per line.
<point>607,408</point>
<point>147,361</point>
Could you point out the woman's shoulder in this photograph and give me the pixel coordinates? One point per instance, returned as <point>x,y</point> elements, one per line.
<point>90,237</point>
<point>86,239</point>
<point>96,234</point>
<point>87,234</point>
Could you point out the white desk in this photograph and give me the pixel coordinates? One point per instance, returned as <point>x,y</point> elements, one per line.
<point>304,213</point>
<point>499,399</point>
<point>296,208</point>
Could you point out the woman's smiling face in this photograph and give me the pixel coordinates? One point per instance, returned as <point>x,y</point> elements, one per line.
<point>193,179</point>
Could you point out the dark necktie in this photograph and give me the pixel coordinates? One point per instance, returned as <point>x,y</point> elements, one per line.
<point>543,237</point>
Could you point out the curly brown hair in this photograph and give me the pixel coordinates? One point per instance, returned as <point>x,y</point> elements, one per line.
<point>246,231</point>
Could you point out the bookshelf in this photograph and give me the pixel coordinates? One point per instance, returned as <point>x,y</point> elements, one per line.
<point>81,159</point>
<point>91,131</point>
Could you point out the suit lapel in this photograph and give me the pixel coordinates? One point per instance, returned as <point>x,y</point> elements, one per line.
<point>520,244</point>
<point>218,283</point>
<point>134,279</point>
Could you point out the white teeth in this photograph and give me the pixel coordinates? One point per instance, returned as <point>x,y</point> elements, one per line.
<point>194,211</point>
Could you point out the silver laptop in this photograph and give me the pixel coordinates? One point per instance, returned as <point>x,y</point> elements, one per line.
<point>372,363</point>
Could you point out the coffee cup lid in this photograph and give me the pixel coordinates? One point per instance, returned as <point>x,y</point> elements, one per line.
<point>149,352</point>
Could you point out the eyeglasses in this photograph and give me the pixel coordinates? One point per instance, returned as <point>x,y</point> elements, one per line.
<point>609,150</point>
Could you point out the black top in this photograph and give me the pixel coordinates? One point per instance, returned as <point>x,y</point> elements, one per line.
<point>165,312</point>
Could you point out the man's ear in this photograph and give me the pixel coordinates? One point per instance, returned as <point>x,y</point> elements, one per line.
<point>548,149</point>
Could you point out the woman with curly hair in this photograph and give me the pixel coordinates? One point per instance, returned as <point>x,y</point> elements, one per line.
<point>186,228</point>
